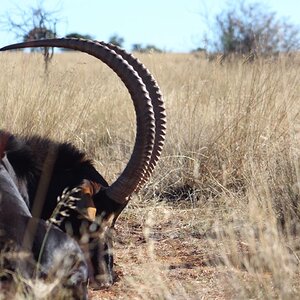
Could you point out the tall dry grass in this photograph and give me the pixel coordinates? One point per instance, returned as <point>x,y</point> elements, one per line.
<point>228,181</point>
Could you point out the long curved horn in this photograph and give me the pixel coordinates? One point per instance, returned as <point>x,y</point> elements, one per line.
<point>158,107</point>
<point>128,181</point>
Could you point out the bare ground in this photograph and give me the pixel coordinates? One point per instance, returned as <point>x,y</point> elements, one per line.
<point>164,254</point>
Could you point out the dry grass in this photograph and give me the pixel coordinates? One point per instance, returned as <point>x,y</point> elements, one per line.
<point>219,219</point>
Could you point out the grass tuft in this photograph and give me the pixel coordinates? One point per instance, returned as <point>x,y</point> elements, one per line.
<point>219,218</point>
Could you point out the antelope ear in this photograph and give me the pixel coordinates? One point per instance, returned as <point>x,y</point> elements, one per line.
<point>90,187</point>
<point>88,190</point>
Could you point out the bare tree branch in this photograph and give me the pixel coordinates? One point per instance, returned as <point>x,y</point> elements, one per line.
<point>246,28</point>
<point>32,23</point>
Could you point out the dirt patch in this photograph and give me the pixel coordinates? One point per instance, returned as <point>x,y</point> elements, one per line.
<point>153,263</point>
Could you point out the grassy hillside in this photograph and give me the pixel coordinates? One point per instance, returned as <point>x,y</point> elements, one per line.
<point>220,216</point>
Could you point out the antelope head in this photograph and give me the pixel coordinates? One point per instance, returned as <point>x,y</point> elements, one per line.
<point>150,131</point>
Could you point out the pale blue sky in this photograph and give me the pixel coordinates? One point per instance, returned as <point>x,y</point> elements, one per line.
<point>173,25</point>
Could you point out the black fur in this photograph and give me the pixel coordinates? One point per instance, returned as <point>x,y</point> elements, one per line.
<point>42,244</point>
<point>71,166</point>
<point>60,255</point>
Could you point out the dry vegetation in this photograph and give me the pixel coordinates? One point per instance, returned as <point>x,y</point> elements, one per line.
<point>220,217</point>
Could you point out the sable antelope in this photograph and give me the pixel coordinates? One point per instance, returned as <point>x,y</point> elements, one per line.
<point>69,167</point>
<point>43,246</point>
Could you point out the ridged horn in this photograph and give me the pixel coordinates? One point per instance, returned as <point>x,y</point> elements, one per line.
<point>158,107</point>
<point>137,166</point>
